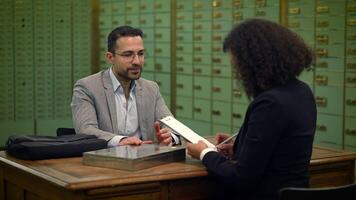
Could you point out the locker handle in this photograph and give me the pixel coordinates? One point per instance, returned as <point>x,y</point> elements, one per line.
<point>321,80</point>
<point>351,22</point>
<point>181,17</point>
<point>179,85</point>
<point>197,87</point>
<point>217,38</point>
<point>351,37</point>
<point>322,52</point>
<point>323,24</point>
<point>198,27</point>
<point>294,24</point>
<point>180,38</point>
<point>217,15</point>
<point>217,26</point>
<point>158,35</point>
<point>128,22</point>
<point>142,21</point>
<point>143,7</point>
<point>236,115</point>
<point>145,35</point>
<point>198,16</point>
<point>351,102</point>
<point>158,67</point>
<point>216,89</point>
<point>216,4</point>
<point>260,13</point>
<point>351,65</point>
<point>351,51</point>
<point>180,27</point>
<point>197,70</point>
<point>216,71</point>
<point>197,59</point>
<point>237,4</point>
<point>180,69</point>
<point>158,20</point>
<point>260,3</point>
<point>158,50</point>
<point>294,11</point>
<point>321,101</point>
<point>198,38</point>
<point>216,49</point>
<point>350,132</point>
<point>322,9</point>
<point>215,112</point>
<point>159,83</point>
<point>198,49</point>
<point>180,58</point>
<point>158,5</point>
<point>180,48</point>
<point>181,6</point>
<point>237,15</point>
<point>198,5</point>
<point>351,79</point>
<point>198,110</point>
<point>351,8</point>
<point>322,64</point>
<point>216,60</point>
<point>322,39</point>
<point>178,107</point>
<point>321,127</point>
<point>128,7</point>
<point>115,22</point>
<point>237,93</point>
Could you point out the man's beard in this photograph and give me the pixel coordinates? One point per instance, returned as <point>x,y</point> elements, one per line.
<point>134,72</point>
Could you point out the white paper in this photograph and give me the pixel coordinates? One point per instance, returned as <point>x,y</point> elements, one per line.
<point>184,131</point>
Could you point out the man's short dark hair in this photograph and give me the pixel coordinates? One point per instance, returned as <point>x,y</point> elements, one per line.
<point>121,31</point>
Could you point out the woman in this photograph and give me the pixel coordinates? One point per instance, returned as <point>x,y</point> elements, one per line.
<point>274,144</point>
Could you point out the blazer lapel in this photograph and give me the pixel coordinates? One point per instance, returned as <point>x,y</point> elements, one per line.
<point>139,104</point>
<point>110,98</point>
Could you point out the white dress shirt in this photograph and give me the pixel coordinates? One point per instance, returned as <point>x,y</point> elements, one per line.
<point>126,110</point>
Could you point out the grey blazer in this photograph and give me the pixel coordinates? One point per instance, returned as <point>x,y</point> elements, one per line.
<point>94,109</point>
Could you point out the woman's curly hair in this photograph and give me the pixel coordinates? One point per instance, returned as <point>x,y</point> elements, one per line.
<point>266,54</point>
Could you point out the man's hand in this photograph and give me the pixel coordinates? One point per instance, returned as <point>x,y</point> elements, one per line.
<point>133,141</point>
<point>195,149</point>
<point>163,135</point>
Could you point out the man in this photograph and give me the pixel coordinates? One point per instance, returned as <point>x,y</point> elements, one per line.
<point>116,104</point>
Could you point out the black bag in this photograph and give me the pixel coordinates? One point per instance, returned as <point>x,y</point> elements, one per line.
<point>46,147</point>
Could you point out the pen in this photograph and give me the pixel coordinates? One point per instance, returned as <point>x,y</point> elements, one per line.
<point>228,139</point>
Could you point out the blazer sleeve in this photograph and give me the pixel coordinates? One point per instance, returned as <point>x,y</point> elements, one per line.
<point>265,121</point>
<point>84,112</point>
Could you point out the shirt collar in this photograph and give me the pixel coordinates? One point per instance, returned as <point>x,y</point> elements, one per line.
<point>116,84</point>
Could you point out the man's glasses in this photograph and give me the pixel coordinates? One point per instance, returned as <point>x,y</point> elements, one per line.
<point>130,55</point>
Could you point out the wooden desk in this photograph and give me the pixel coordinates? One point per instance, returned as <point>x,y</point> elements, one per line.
<point>68,179</point>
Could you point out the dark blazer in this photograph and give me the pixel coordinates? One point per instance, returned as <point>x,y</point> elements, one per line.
<point>274,145</point>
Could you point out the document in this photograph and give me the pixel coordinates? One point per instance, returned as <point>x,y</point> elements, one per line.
<point>182,130</point>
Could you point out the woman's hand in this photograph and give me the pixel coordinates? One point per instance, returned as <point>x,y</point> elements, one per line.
<point>195,149</point>
<point>219,137</point>
<point>227,148</point>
